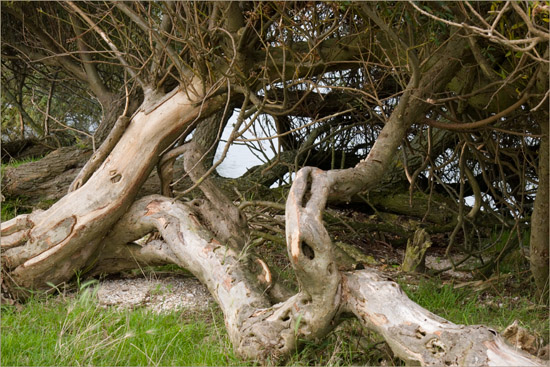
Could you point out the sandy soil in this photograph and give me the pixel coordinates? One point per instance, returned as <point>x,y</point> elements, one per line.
<point>158,293</point>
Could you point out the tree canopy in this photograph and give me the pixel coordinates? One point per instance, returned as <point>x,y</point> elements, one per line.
<point>434,110</point>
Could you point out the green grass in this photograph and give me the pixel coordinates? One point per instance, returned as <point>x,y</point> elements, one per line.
<point>348,345</point>
<point>75,331</point>
<point>493,308</point>
<point>78,332</point>
<point>11,209</point>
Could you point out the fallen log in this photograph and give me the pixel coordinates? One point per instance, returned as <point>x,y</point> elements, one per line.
<point>260,329</point>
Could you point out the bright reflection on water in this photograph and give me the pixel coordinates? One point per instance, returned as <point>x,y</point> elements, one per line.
<point>239,158</point>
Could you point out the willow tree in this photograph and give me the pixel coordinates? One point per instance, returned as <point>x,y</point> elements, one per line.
<point>168,76</point>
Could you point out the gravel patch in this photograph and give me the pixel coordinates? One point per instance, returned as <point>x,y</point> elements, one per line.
<point>166,294</point>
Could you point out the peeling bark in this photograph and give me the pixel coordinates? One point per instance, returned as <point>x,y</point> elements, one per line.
<point>259,329</point>
<point>79,232</point>
<point>418,336</point>
<point>61,239</point>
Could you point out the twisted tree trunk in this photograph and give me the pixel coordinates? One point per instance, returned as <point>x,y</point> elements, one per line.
<point>93,228</point>
<point>259,329</point>
<point>48,247</point>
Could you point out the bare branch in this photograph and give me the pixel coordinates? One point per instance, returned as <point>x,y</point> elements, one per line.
<point>161,44</point>
<point>112,46</point>
<point>477,124</point>
<point>93,78</point>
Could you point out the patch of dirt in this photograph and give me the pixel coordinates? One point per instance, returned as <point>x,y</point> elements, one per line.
<point>159,294</point>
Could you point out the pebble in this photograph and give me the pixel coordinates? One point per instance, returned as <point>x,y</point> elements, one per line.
<point>164,294</point>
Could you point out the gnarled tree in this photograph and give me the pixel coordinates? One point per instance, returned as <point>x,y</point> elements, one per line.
<point>363,78</point>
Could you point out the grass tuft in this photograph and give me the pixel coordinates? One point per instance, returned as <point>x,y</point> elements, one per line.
<point>76,331</point>
<point>494,307</point>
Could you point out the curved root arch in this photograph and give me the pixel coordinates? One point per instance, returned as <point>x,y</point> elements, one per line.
<point>261,330</point>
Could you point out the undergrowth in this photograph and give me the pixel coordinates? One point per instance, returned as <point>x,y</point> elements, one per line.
<point>496,307</point>
<point>76,331</point>
<point>12,208</point>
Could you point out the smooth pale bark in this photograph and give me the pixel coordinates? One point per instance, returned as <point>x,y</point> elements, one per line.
<point>59,241</point>
<point>259,329</point>
<point>420,337</point>
<point>99,156</point>
<point>50,246</point>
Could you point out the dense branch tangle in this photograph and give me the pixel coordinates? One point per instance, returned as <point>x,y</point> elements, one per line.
<point>186,66</point>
